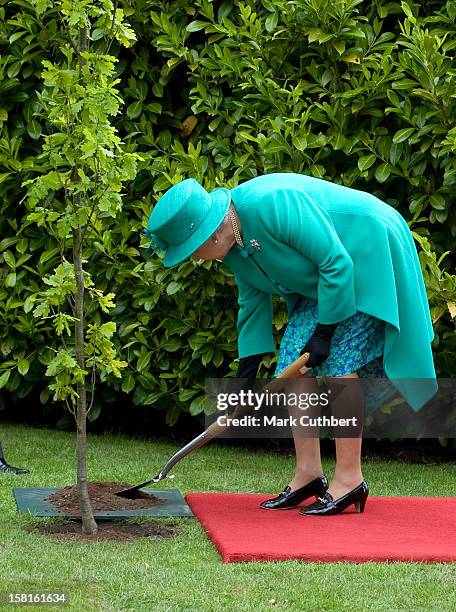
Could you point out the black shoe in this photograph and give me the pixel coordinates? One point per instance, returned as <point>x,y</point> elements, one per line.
<point>5,467</point>
<point>290,499</point>
<point>327,505</point>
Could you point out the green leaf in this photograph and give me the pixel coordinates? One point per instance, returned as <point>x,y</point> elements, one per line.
<point>173,288</point>
<point>367,161</point>
<point>97,33</point>
<point>154,107</point>
<point>143,361</point>
<point>29,302</point>
<point>408,11</point>
<point>161,184</point>
<point>14,68</point>
<point>23,366</point>
<point>34,129</point>
<point>44,396</point>
<point>197,406</point>
<point>7,242</point>
<point>164,140</point>
<point>152,398</point>
<point>9,259</point>
<point>339,46</point>
<point>107,329</point>
<point>46,255</point>
<point>441,216</point>
<point>172,345</point>
<point>16,36</point>
<point>319,35</point>
<point>317,170</point>
<point>225,9</point>
<point>186,394</point>
<point>382,172</point>
<point>393,98</point>
<point>437,201</point>
<point>215,123</point>
<point>134,109</point>
<point>172,414</point>
<point>271,22</point>
<point>194,26</point>
<point>299,142</point>
<point>403,134</point>
<point>10,280</point>
<point>4,378</point>
<point>403,84</point>
<point>451,9</point>
<point>128,383</point>
<point>395,153</point>
<point>94,412</point>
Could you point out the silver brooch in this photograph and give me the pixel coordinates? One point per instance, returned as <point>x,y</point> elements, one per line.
<point>255,244</point>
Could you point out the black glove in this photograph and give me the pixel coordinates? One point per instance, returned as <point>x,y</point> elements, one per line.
<point>248,368</point>
<point>244,379</point>
<point>319,344</point>
<point>247,371</point>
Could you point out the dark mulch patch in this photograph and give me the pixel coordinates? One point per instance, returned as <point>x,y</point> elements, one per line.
<point>107,530</point>
<point>102,496</point>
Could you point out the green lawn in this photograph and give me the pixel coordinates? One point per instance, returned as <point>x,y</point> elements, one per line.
<point>186,572</point>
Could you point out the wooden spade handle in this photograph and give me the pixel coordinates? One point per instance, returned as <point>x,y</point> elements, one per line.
<point>292,371</point>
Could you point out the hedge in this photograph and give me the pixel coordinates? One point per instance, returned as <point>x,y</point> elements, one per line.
<point>359,93</point>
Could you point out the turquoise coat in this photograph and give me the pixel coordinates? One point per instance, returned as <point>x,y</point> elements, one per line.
<point>343,247</point>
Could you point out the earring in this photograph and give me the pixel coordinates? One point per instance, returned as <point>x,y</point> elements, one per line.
<point>215,241</point>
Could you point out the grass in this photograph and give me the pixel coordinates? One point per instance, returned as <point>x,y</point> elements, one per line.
<point>186,572</point>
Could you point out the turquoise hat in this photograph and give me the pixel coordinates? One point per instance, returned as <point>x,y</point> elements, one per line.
<point>184,218</point>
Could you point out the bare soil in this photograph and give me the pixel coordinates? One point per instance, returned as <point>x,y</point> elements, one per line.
<point>107,530</point>
<point>102,496</point>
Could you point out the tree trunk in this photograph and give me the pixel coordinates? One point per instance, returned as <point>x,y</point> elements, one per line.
<point>89,525</point>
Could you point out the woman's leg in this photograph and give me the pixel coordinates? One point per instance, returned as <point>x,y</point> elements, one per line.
<point>348,402</point>
<point>308,459</point>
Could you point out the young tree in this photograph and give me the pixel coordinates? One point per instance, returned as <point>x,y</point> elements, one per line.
<point>75,199</point>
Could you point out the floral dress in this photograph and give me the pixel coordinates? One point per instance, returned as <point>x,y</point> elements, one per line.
<point>357,346</point>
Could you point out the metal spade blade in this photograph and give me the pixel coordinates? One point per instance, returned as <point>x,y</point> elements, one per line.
<point>292,371</point>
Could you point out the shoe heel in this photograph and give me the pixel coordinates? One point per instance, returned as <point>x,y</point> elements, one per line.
<point>360,505</point>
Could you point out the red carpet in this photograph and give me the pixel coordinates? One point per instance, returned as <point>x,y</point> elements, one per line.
<point>419,529</point>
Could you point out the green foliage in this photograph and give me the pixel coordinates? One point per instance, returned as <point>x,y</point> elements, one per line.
<point>84,167</point>
<point>441,290</point>
<point>359,93</point>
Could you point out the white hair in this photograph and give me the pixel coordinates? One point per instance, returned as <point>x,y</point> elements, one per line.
<point>224,221</point>
<point>226,218</point>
